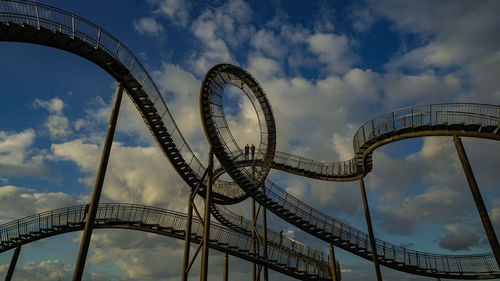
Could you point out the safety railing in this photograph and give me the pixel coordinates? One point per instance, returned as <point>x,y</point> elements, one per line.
<point>161,219</point>
<point>276,239</point>
<point>43,16</point>
<point>427,115</point>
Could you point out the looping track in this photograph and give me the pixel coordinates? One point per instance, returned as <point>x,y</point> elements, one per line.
<point>24,21</point>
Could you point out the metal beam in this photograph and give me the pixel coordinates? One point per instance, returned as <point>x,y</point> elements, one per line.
<point>225,275</point>
<point>264,239</point>
<point>13,263</point>
<point>332,264</point>
<point>187,238</point>
<point>96,195</point>
<point>254,241</point>
<point>478,199</point>
<point>370,230</point>
<point>206,225</point>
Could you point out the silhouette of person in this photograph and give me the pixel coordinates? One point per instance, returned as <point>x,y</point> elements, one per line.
<point>246,151</point>
<point>281,237</point>
<point>86,210</point>
<point>252,149</point>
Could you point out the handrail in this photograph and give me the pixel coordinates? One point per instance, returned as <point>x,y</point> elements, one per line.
<point>48,223</point>
<point>419,118</point>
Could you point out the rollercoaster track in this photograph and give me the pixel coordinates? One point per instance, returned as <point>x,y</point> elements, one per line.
<point>163,222</point>
<point>25,21</point>
<point>477,120</point>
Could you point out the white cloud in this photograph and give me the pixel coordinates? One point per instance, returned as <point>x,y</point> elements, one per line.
<point>20,201</point>
<point>175,10</point>
<point>332,50</point>
<point>14,146</point>
<point>57,124</point>
<point>44,271</point>
<point>18,158</point>
<point>148,26</point>
<point>218,30</point>
<point>270,44</point>
<point>54,105</point>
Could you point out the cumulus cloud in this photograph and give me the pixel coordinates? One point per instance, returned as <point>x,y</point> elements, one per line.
<point>148,26</point>
<point>57,124</point>
<point>18,158</point>
<point>218,30</point>
<point>332,50</point>
<point>20,201</point>
<point>175,10</point>
<point>458,238</point>
<point>44,271</point>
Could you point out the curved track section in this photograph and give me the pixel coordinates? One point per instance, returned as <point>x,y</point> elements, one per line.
<point>163,222</point>
<point>25,21</point>
<point>443,119</point>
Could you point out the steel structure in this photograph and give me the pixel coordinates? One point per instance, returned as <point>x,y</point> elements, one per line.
<point>163,222</point>
<point>26,21</point>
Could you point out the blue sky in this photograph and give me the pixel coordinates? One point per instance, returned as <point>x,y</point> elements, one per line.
<point>326,67</point>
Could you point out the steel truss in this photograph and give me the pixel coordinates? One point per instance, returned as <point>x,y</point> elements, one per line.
<point>26,21</point>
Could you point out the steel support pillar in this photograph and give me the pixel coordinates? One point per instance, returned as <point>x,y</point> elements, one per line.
<point>478,199</point>
<point>225,275</point>
<point>264,239</point>
<point>96,195</point>
<point>254,241</point>
<point>187,238</point>
<point>370,230</point>
<point>206,223</point>
<point>335,275</point>
<point>13,263</point>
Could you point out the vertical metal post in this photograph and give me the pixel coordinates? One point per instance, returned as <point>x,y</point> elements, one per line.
<point>370,230</point>
<point>264,237</point>
<point>254,241</point>
<point>206,226</point>
<point>96,195</point>
<point>332,264</point>
<point>478,199</point>
<point>13,263</point>
<point>187,238</point>
<point>225,275</point>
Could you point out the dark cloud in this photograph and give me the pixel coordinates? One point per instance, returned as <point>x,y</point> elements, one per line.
<point>458,238</point>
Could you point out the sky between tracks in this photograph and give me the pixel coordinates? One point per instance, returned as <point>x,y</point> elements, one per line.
<point>327,68</point>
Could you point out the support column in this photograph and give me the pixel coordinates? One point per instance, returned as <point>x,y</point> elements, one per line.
<point>206,226</point>
<point>478,199</point>
<point>96,195</point>
<point>264,239</point>
<point>335,276</point>
<point>225,275</point>
<point>187,238</point>
<point>13,263</point>
<point>254,241</point>
<point>370,230</point>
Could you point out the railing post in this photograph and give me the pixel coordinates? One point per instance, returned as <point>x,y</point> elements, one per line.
<point>98,38</point>
<point>478,199</point>
<point>37,17</point>
<point>73,25</point>
<point>94,203</point>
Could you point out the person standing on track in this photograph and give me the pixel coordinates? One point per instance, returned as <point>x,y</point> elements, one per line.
<point>246,151</point>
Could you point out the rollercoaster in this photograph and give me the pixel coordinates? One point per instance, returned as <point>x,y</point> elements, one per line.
<point>32,22</point>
